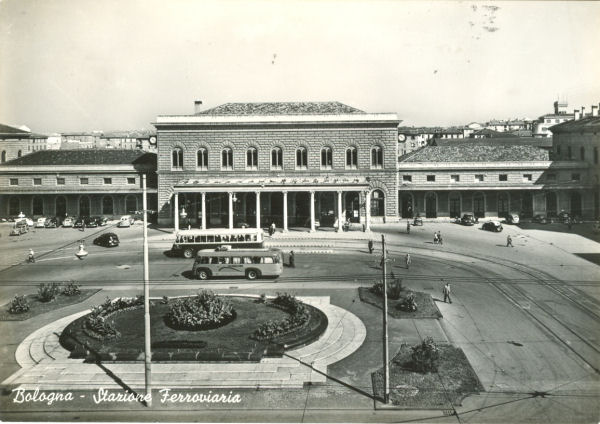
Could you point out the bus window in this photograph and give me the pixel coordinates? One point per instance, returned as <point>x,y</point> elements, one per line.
<point>276,259</point>
<point>223,260</point>
<point>267,260</point>
<point>217,239</point>
<point>247,238</point>
<point>204,260</point>
<point>226,239</point>
<point>236,260</point>
<point>214,260</point>
<point>253,237</point>
<point>247,260</point>
<point>256,260</point>
<point>202,239</point>
<point>210,239</point>
<point>197,239</point>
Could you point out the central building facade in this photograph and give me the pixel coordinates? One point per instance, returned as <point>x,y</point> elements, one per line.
<point>301,165</point>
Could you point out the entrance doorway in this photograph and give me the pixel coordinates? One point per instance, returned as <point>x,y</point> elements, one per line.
<point>454,205</point>
<point>551,204</point>
<point>479,205</point>
<point>575,204</point>
<point>430,205</point>
<point>61,206</point>
<point>502,205</point>
<point>407,209</point>
<point>84,206</point>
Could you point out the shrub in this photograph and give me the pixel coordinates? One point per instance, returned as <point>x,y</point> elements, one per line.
<point>408,303</point>
<point>100,328</point>
<point>96,324</point>
<point>262,299</point>
<point>18,305</point>
<point>205,310</point>
<point>47,292</point>
<point>299,315</point>
<point>393,290</point>
<point>71,289</point>
<point>425,356</point>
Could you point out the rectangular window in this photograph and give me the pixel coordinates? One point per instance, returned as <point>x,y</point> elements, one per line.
<point>14,181</point>
<point>503,177</point>
<point>60,181</point>
<point>407,178</point>
<point>84,180</point>
<point>130,180</point>
<point>107,180</point>
<point>431,178</point>
<point>37,181</point>
<point>527,177</point>
<point>575,177</point>
<point>479,178</point>
<point>454,178</point>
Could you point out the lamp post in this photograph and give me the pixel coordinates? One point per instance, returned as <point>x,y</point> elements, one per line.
<point>386,368</point>
<point>147,344</point>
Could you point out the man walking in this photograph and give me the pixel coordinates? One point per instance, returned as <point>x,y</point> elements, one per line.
<point>408,260</point>
<point>407,227</point>
<point>292,260</point>
<point>446,291</point>
<point>509,241</point>
<point>370,247</point>
<point>31,257</point>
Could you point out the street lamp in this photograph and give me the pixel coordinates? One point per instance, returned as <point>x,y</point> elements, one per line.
<point>147,344</point>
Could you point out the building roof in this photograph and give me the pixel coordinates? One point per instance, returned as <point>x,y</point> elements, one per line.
<point>282,108</point>
<point>500,141</point>
<point>588,124</point>
<point>478,153</point>
<point>84,157</point>
<point>7,131</point>
<point>489,133</point>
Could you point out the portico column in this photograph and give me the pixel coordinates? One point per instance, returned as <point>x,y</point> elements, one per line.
<point>230,209</point>
<point>312,212</point>
<point>258,210</point>
<point>204,211</point>
<point>368,211</point>
<point>339,203</point>
<point>176,213</point>
<point>285,223</point>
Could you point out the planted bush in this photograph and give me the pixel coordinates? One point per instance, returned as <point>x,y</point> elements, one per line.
<point>203,311</point>
<point>425,356</point>
<point>99,327</point>
<point>18,305</point>
<point>97,324</point>
<point>48,291</point>
<point>408,303</point>
<point>71,289</point>
<point>299,316</point>
<point>394,288</point>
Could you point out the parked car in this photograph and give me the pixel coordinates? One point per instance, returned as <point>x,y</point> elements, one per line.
<point>78,222</point>
<point>467,219</point>
<point>107,240</point>
<point>494,226</point>
<point>51,222</point>
<point>20,227</point>
<point>418,220</point>
<point>67,222</point>
<point>90,222</point>
<point>40,223</point>
<point>540,219</point>
<point>512,218</point>
<point>100,220</point>
<point>28,221</point>
<point>126,221</point>
<point>564,217</point>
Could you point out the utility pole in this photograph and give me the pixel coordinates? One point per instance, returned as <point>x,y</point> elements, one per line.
<point>386,368</point>
<point>147,344</point>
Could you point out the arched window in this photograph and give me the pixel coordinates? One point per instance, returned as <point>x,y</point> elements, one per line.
<point>131,204</point>
<point>19,153</point>
<point>252,158</point>
<point>351,157</point>
<point>37,206</point>
<point>479,205</point>
<point>326,157</point>
<point>202,159</point>
<point>84,206</point>
<point>227,159</point>
<point>60,206</point>
<point>176,159</point>
<point>377,203</point>
<point>582,153</point>
<point>107,205</point>
<point>14,206</point>
<point>301,158</point>
<point>551,204</point>
<point>3,156</point>
<point>377,157</point>
<point>277,158</point>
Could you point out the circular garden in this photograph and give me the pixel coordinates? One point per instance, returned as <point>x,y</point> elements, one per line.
<point>204,327</point>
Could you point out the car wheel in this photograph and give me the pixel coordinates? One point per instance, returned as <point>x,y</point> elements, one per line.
<point>188,253</point>
<point>202,274</point>
<point>252,274</point>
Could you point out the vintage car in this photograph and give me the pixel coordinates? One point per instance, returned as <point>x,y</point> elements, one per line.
<point>107,240</point>
<point>467,219</point>
<point>68,222</point>
<point>512,218</point>
<point>494,226</point>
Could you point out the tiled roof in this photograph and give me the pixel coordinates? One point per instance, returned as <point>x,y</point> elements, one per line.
<point>5,129</point>
<point>282,108</point>
<point>84,157</point>
<point>545,142</point>
<point>588,124</point>
<point>478,153</point>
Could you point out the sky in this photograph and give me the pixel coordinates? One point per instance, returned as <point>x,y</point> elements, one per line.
<point>83,65</point>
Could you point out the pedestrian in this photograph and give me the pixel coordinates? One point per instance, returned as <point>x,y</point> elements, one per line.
<point>31,256</point>
<point>439,236</point>
<point>435,238</point>
<point>273,228</point>
<point>569,223</point>
<point>292,260</point>
<point>83,225</point>
<point>446,290</point>
<point>509,241</point>
<point>371,247</point>
<point>407,227</point>
<point>408,260</point>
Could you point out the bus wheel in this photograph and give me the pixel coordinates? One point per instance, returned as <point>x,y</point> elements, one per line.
<point>252,274</point>
<point>188,253</point>
<point>202,274</point>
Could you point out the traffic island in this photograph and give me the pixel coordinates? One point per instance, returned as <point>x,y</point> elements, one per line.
<point>413,386</point>
<point>402,304</point>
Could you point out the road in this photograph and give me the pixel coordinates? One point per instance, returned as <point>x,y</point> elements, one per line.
<point>526,317</point>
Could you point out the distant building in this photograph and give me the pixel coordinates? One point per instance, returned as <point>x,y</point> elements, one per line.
<point>509,125</point>
<point>16,142</point>
<point>130,140</point>
<point>79,140</point>
<point>541,127</point>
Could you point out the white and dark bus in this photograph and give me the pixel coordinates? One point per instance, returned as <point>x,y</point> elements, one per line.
<point>249,263</point>
<point>188,242</point>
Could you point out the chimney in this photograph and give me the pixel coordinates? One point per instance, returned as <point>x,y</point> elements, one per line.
<point>556,107</point>
<point>582,112</point>
<point>576,114</point>
<point>197,106</point>
<point>594,110</point>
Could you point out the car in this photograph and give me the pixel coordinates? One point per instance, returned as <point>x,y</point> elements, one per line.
<point>20,227</point>
<point>512,218</point>
<point>125,221</point>
<point>467,219</point>
<point>540,219</point>
<point>78,222</point>
<point>494,226</point>
<point>90,222</point>
<point>107,240</point>
<point>418,220</point>
<point>564,217</point>
<point>40,223</point>
<point>67,222</point>
<point>100,220</point>
<point>28,221</point>
<point>51,223</point>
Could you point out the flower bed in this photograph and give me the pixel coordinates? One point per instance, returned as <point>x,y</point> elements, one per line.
<point>426,308</point>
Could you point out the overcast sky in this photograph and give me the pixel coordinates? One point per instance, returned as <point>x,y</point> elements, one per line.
<point>68,65</point>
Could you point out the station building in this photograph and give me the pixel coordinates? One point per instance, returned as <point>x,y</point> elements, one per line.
<point>77,183</point>
<point>302,164</point>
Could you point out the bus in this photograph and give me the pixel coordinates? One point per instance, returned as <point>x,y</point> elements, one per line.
<point>249,263</point>
<point>188,242</point>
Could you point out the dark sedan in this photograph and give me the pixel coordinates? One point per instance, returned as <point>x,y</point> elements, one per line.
<point>467,219</point>
<point>100,220</point>
<point>494,226</point>
<point>51,223</point>
<point>90,222</point>
<point>107,240</point>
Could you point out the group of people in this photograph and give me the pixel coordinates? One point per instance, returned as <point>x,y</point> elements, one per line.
<point>272,229</point>
<point>437,238</point>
